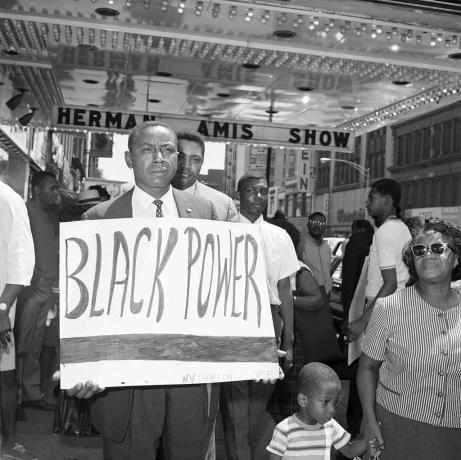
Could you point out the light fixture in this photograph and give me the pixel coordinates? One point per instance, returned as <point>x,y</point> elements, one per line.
<point>16,100</point>
<point>25,119</point>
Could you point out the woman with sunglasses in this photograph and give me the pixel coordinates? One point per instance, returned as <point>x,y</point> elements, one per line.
<point>410,370</point>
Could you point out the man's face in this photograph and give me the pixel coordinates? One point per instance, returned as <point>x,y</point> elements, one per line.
<point>153,157</point>
<point>375,203</point>
<point>190,160</point>
<point>48,191</point>
<point>253,197</point>
<point>316,225</point>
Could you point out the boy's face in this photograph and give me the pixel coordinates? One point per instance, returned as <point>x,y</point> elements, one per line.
<point>319,405</point>
<point>375,203</point>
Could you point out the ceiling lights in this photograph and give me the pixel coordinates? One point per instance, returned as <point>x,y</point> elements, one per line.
<point>399,109</point>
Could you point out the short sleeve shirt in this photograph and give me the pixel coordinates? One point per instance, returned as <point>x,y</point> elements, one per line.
<point>386,253</point>
<point>295,440</point>
<point>279,255</point>
<point>420,349</point>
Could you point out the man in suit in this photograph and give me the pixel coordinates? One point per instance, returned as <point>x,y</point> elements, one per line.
<point>134,421</point>
<point>191,152</point>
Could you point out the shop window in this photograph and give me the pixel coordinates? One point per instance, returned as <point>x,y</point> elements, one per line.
<point>436,140</point>
<point>426,143</point>
<point>447,144</point>
<point>457,136</point>
<point>418,146</point>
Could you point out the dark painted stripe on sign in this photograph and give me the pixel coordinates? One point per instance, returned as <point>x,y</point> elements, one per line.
<point>161,347</point>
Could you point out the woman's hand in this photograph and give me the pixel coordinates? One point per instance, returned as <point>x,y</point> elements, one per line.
<point>373,437</point>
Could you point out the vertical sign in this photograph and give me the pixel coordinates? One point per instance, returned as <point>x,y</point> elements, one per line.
<point>306,172</point>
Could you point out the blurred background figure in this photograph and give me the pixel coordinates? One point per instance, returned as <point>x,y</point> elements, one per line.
<point>37,303</point>
<point>103,193</point>
<point>355,252</point>
<point>86,199</point>
<point>409,375</point>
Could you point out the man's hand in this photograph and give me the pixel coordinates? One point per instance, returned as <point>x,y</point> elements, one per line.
<point>287,358</point>
<point>280,354</point>
<point>354,329</point>
<point>85,391</point>
<point>5,328</point>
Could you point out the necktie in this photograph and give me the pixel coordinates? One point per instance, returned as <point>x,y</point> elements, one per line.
<point>159,212</point>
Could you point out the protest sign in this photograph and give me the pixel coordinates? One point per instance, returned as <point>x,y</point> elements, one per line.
<point>164,301</point>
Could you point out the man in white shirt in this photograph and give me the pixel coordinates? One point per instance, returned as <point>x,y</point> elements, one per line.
<point>16,269</point>
<point>191,152</point>
<point>247,425</point>
<point>386,271</point>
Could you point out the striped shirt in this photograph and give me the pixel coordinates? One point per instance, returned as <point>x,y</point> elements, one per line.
<point>420,349</point>
<point>318,258</point>
<point>294,439</point>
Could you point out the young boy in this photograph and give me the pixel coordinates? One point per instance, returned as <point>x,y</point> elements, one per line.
<point>310,433</point>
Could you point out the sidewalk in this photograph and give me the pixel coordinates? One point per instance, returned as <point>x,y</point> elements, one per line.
<point>36,434</point>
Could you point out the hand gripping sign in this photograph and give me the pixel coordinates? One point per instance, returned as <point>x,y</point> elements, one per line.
<point>166,301</point>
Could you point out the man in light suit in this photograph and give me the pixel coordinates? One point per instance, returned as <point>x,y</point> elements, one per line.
<point>134,421</point>
<point>191,151</point>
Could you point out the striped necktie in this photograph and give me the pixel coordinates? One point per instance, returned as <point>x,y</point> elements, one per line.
<point>159,212</point>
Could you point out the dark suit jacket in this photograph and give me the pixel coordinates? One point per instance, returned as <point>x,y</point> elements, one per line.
<point>110,410</point>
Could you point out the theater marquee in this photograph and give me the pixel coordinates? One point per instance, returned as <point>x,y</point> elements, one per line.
<point>217,130</point>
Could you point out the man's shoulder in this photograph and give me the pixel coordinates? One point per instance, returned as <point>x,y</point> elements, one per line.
<point>208,192</point>
<point>106,208</point>
<point>9,198</point>
<point>192,205</point>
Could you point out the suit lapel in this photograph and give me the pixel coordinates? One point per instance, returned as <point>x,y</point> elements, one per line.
<point>185,203</point>
<point>121,207</point>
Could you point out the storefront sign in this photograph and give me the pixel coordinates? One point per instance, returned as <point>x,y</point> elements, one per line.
<point>166,301</point>
<point>212,129</point>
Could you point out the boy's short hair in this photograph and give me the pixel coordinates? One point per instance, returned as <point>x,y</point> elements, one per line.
<point>247,177</point>
<point>313,375</point>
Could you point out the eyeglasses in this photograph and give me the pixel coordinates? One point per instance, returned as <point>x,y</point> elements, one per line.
<point>257,191</point>
<point>318,223</point>
<point>420,250</point>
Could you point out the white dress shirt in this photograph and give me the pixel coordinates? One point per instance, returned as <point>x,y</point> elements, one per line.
<point>279,254</point>
<point>143,204</point>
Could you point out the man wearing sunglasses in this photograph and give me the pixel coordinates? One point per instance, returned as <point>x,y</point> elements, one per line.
<point>387,272</point>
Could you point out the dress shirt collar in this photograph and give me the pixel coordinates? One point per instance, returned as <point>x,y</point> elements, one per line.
<point>244,220</point>
<point>145,201</point>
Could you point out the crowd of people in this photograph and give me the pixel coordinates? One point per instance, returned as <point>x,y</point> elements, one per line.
<point>399,307</point>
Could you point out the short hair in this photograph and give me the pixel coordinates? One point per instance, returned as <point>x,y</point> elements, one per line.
<point>290,228</point>
<point>362,225</point>
<point>39,177</point>
<point>317,214</point>
<point>451,232</point>
<point>147,124</point>
<point>389,187</point>
<point>191,136</point>
<point>247,177</point>
<point>315,374</point>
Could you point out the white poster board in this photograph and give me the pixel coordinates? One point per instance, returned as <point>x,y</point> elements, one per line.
<point>163,301</point>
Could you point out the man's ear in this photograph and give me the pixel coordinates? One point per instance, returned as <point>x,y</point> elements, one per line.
<point>237,195</point>
<point>128,159</point>
<point>302,399</point>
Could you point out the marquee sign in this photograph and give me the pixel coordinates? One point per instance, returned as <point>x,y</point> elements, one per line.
<point>219,130</point>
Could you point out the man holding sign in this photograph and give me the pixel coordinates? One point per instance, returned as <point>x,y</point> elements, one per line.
<point>133,421</point>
